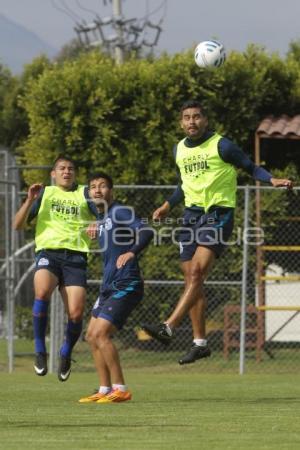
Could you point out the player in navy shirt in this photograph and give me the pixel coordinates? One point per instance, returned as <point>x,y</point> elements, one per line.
<point>122,237</point>
<point>116,236</point>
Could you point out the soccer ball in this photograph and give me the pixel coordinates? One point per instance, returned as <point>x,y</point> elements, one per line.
<point>210,54</point>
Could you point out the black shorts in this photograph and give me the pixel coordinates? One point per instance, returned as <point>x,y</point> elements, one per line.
<point>210,230</point>
<point>70,267</point>
<point>116,304</point>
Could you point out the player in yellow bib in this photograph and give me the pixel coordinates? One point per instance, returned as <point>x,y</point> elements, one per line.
<point>62,212</point>
<point>207,165</point>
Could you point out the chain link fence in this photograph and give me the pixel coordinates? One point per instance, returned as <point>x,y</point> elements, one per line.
<point>253,300</point>
<point>274,287</point>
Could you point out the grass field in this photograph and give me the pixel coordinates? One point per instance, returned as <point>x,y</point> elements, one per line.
<point>175,411</point>
<point>285,361</point>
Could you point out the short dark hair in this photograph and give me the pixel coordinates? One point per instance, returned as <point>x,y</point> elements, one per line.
<point>96,175</point>
<point>63,158</point>
<point>193,104</point>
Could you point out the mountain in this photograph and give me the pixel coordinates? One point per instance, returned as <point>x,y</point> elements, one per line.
<point>18,46</point>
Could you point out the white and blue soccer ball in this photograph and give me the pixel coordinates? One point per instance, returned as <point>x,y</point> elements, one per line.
<point>210,54</point>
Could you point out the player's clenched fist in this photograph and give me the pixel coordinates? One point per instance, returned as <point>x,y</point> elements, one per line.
<point>34,190</point>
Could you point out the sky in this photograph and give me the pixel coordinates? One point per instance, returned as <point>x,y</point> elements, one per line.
<point>236,23</point>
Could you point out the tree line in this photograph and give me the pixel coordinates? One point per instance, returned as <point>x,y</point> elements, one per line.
<point>124,119</point>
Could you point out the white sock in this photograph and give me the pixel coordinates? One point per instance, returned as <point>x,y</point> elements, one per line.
<point>200,342</point>
<point>120,387</point>
<point>104,389</point>
<point>168,329</point>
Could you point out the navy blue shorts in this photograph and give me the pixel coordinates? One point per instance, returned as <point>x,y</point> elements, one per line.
<point>70,267</point>
<point>116,304</point>
<point>210,230</point>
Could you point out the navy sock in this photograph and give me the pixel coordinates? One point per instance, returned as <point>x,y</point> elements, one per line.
<point>73,332</point>
<point>40,319</point>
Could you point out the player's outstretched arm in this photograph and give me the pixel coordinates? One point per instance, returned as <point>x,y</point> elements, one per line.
<point>162,211</point>
<point>124,258</point>
<point>22,215</point>
<point>282,182</point>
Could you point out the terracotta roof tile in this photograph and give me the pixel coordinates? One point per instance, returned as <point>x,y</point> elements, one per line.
<point>283,126</point>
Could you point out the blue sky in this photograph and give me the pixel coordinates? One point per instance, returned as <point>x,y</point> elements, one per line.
<point>236,23</point>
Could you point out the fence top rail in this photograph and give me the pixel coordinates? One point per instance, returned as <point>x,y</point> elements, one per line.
<point>14,183</point>
<point>137,186</point>
<point>172,186</point>
<point>267,188</point>
<point>178,282</point>
<point>30,167</point>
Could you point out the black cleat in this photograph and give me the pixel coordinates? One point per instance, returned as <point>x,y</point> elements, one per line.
<point>64,368</point>
<point>196,352</point>
<point>158,332</point>
<point>40,364</point>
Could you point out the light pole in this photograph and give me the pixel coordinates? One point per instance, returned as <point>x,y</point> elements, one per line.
<point>128,35</point>
<point>117,15</point>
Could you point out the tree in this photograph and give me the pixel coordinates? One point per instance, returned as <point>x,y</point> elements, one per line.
<point>125,118</point>
<point>71,51</point>
<point>14,119</point>
<point>294,50</point>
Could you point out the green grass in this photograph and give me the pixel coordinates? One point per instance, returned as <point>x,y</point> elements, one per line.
<point>169,411</point>
<point>285,360</point>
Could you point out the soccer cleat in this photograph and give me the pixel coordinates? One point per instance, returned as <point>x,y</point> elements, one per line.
<point>64,368</point>
<point>158,332</point>
<point>92,398</point>
<point>40,364</point>
<point>115,396</point>
<point>196,352</point>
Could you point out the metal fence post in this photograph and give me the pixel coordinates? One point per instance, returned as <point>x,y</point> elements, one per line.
<point>244,283</point>
<point>12,277</point>
<point>9,274</point>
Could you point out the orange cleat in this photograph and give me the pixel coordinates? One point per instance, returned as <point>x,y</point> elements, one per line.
<point>115,396</point>
<point>92,398</point>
